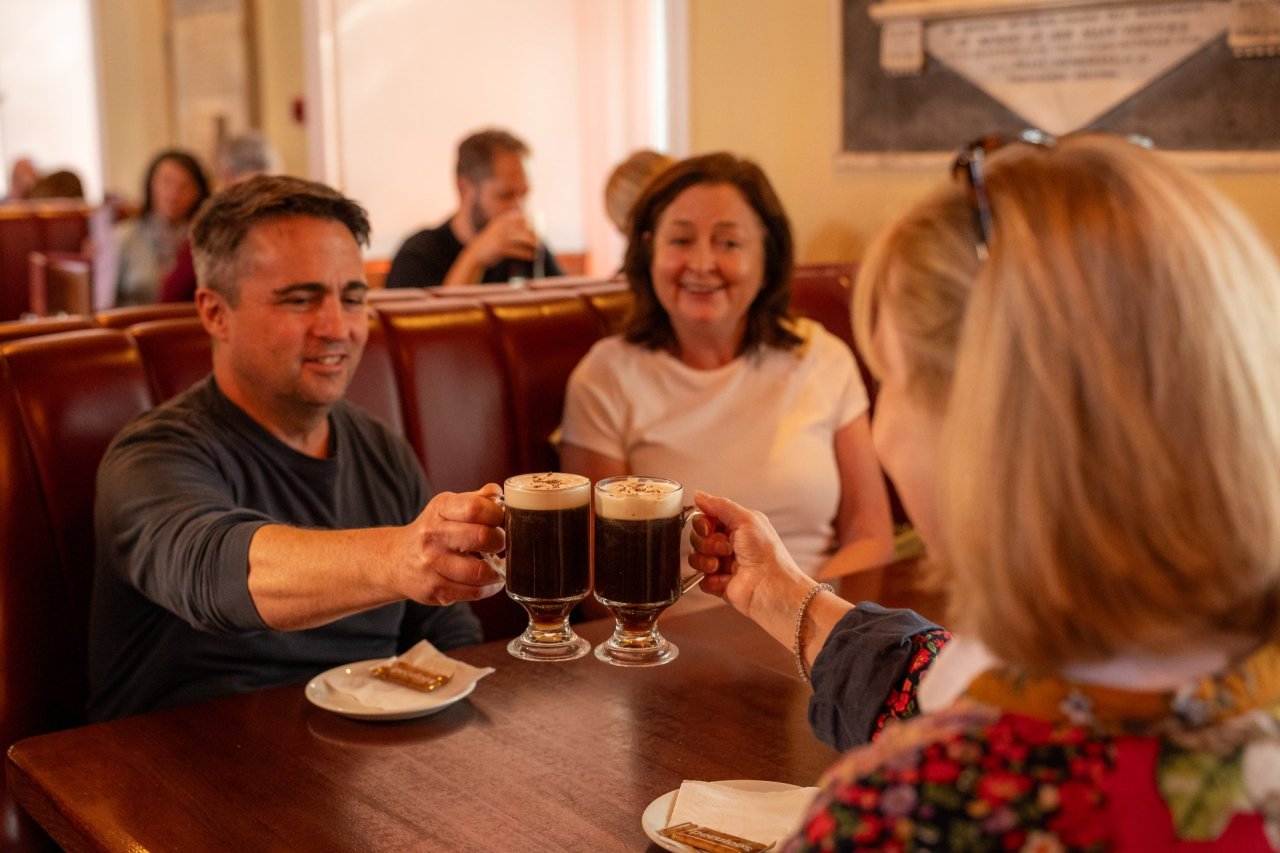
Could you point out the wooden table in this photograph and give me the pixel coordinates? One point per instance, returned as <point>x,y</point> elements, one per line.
<point>541,756</point>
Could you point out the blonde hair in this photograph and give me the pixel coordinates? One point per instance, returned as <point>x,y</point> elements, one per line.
<point>628,181</point>
<point>1109,388</point>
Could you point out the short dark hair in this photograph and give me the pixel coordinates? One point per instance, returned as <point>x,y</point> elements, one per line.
<point>477,152</point>
<point>649,325</point>
<point>188,163</point>
<point>222,224</point>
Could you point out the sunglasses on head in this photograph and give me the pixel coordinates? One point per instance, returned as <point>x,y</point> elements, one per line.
<point>968,166</point>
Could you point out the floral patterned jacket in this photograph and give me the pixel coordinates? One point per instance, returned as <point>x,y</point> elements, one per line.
<point>1048,765</point>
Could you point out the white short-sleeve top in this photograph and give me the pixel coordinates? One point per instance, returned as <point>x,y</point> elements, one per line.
<point>759,430</point>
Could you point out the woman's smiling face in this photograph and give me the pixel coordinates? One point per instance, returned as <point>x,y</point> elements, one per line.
<point>708,260</point>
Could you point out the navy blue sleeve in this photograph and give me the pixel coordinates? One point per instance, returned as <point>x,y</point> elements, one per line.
<point>864,658</point>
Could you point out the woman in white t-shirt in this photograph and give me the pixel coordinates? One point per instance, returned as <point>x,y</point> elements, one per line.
<point>714,385</point>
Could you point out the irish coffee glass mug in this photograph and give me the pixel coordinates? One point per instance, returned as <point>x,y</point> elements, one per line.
<point>639,522</point>
<point>548,564</point>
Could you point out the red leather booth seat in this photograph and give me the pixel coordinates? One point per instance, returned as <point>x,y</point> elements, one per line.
<point>13,330</point>
<point>27,227</point>
<point>129,315</point>
<point>62,398</point>
<point>824,292</point>
<point>458,412</point>
<point>176,353</point>
<point>475,385</point>
<point>60,283</point>
<point>541,340</point>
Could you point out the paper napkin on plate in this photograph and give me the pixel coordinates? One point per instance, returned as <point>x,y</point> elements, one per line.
<point>383,695</point>
<point>764,816</point>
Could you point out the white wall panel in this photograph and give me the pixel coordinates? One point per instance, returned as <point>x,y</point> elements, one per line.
<point>394,84</point>
<point>48,89</point>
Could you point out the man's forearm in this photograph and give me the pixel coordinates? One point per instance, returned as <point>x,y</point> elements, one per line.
<point>300,578</point>
<point>466,269</point>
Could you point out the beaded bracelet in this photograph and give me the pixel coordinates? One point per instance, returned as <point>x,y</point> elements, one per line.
<point>798,645</point>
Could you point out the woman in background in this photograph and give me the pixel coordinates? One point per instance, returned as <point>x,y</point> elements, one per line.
<point>174,189</point>
<point>628,181</point>
<point>713,384</point>
<point>1080,407</point>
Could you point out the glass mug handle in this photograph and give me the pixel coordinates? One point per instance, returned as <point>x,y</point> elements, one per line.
<point>687,515</point>
<point>493,561</point>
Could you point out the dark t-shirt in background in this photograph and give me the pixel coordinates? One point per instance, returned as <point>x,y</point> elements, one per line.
<point>425,258</point>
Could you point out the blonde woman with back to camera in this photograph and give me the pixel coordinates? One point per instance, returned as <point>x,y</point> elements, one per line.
<point>1079,358</point>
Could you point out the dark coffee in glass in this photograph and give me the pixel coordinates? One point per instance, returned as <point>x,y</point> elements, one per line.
<point>547,552</point>
<point>638,526</point>
<point>548,564</point>
<point>643,565</point>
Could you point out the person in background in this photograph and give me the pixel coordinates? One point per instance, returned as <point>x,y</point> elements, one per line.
<point>489,238</point>
<point>174,188</point>
<point>242,157</point>
<point>22,177</point>
<point>627,182</point>
<point>257,529</point>
<point>62,183</point>
<point>713,384</point>
<point>1076,345</point>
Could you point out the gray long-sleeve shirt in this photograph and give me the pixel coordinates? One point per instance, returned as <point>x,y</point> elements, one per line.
<point>180,493</point>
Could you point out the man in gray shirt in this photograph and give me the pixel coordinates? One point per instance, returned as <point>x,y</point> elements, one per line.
<point>258,529</point>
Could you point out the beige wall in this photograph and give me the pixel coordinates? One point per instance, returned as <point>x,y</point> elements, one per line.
<point>763,83</point>
<point>281,78</point>
<point>137,115</point>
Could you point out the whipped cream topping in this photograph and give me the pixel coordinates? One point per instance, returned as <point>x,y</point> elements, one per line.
<point>547,491</point>
<point>638,499</point>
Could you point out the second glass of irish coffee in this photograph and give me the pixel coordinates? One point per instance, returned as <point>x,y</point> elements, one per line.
<point>639,522</point>
<point>548,560</point>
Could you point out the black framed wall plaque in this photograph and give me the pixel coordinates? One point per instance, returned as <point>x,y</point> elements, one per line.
<point>920,77</point>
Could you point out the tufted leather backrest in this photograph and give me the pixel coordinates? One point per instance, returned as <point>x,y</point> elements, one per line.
<point>129,315</point>
<point>612,302</point>
<point>13,330</point>
<point>541,339</point>
<point>60,283</point>
<point>177,353</point>
<point>374,388</point>
<point>34,698</point>
<point>74,392</point>
<point>399,294</point>
<point>454,391</point>
<point>27,227</point>
<point>62,399</point>
<point>824,294</point>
